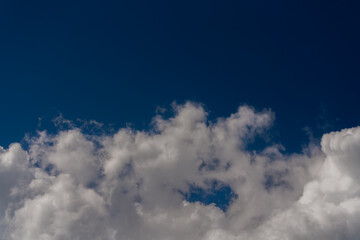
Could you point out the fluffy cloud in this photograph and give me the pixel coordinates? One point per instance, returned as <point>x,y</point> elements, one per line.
<point>132,185</point>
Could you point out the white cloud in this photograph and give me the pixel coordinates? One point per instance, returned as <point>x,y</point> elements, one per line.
<point>129,185</point>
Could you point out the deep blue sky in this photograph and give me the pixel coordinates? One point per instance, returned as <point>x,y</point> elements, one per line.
<point>116,61</point>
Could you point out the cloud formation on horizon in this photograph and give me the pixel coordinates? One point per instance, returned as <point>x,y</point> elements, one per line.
<point>130,185</point>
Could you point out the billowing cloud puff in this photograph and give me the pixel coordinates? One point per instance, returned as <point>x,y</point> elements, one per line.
<point>135,185</point>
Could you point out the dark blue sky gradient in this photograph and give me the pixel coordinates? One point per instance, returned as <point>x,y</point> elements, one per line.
<point>116,61</point>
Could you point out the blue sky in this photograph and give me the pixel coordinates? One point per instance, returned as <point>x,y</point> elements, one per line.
<point>174,120</point>
<point>116,61</point>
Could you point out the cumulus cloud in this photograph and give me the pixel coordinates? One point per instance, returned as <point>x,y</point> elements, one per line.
<point>133,185</point>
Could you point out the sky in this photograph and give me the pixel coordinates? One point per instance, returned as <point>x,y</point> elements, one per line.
<point>226,120</point>
<point>117,61</point>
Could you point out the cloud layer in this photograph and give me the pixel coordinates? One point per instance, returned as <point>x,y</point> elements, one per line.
<point>131,185</point>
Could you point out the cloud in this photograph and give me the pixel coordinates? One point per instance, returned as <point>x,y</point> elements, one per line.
<point>132,185</point>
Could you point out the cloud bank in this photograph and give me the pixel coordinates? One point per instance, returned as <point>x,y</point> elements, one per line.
<point>132,185</point>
